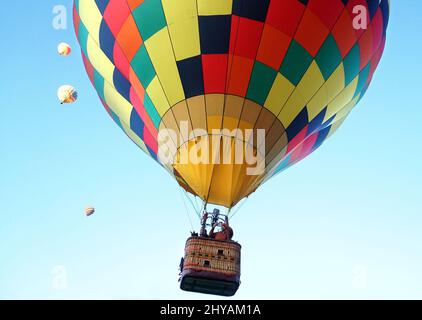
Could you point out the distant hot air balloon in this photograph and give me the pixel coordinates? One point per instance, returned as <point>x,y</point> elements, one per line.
<point>288,68</point>
<point>67,94</point>
<point>89,211</point>
<point>64,49</point>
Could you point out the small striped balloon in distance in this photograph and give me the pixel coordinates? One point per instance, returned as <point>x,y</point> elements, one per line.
<point>67,94</point>
<point>89,211</point>
<point>64,49</point>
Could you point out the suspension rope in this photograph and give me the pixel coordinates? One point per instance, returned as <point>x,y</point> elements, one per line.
<point>186,210</point>
<point>238,208</point>
<point>198,206</point>
<point>228,213</point>
<point>195,208</point>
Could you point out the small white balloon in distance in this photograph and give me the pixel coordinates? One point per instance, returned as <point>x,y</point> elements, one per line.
<point>64,49</point>
<point>67,94</point>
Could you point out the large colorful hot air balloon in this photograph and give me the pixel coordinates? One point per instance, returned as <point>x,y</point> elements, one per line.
<point>292,69</point>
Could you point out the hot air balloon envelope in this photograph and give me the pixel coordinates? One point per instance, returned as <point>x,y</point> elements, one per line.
<point>89,211</point>
<point>67,94</point>
<point>64,49</point>
<point>204,69</point>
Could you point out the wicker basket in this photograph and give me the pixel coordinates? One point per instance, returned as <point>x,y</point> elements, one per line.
<point>211,266</point>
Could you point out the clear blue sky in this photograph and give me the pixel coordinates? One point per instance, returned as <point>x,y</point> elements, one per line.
<point>344,223</point>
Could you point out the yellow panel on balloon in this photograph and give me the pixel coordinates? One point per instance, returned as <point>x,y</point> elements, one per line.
<point>279,93</point>
<point>156,93</point>
<point>335,126</point>
<point>336,83</point>
<point>161,53</point>
<point>185,38</point>
<point>91,18</point>
<point>342,99</point>
<point>214,7</point>
<point>120,106</point>
<point>311,82</point>
<point>317,103</point>
<point>346,109</point>
<point>177,11</point>
<point>100,61</point>
<point>292,108</point>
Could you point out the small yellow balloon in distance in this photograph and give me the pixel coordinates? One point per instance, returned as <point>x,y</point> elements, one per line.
<point>89,211</point>
<point>64,49</point>
<point>67,94</point>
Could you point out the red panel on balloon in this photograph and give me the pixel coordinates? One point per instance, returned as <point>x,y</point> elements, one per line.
<point>285,15</point>
<point>273,48</point>
<point>115,15</point>
<point>248,38</point>
<point>214,71</point>
<point>311,33</point>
